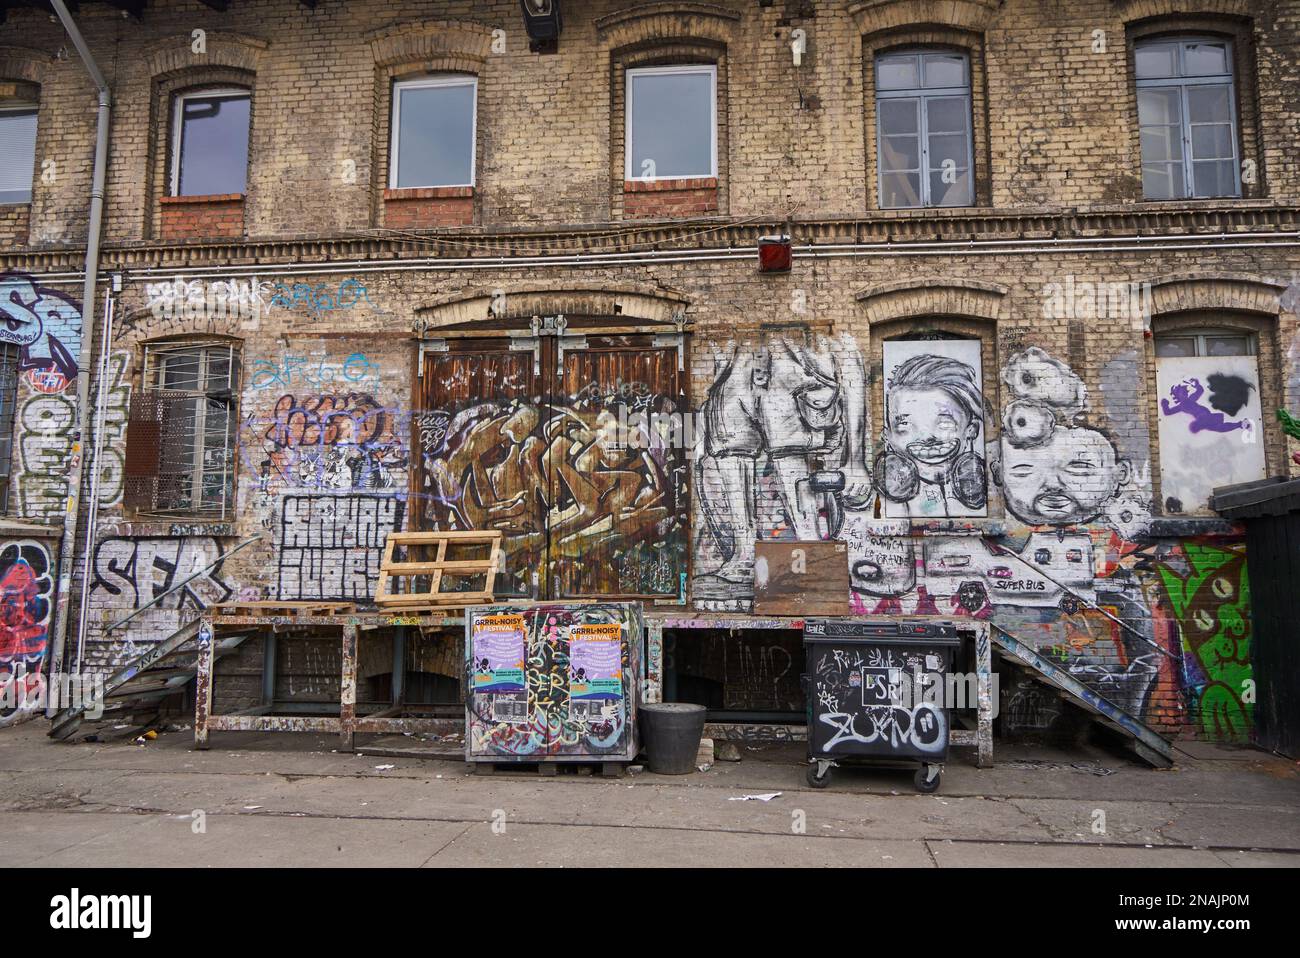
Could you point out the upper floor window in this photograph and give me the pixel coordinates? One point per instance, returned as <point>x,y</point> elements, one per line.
<point>672,123</point>
<point>433,132</point>
<point>181,434</point>
<point>923,129</point>
<point>210,143</point>
<point>1187,118</point>
<point>17,152</point>
<point>1209,412</point>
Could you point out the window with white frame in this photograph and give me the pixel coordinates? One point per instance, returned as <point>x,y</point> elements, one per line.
<point>210,142</point>
<point>181,433</point>
<point>923,129</point>
<point>1187,118</point>
<point>672,123</point>
<point>434,128</point>
<point>1209,414</point>
<point>17,152</point>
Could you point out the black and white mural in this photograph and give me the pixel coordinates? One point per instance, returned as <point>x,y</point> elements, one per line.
<point>932,463</point>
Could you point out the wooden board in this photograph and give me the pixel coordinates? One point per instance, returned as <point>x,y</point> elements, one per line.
<point>408,583</point>
<point>801,578</point>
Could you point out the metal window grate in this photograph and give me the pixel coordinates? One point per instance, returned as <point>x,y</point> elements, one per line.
<point>180,439</point>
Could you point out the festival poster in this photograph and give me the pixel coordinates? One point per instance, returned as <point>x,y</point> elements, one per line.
<point>596,662</point>
<point>498,645</point>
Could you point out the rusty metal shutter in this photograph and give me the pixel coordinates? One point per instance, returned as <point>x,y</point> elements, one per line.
<point>143,449</point>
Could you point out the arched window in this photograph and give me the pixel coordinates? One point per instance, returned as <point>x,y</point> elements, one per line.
<point>17,150</point>
<point>1209,413</point>
<point>434,121</point>
<point>1187,118</point>
<point>923,129</point>
<point>210,142</point>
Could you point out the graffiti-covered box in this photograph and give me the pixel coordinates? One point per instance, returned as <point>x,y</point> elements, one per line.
<point>879,688</point>
<point>552,682</point>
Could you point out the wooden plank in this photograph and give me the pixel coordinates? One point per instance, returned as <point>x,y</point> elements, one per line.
<point>462,566</point>
<point>425,538</point>
<point>801,578</point>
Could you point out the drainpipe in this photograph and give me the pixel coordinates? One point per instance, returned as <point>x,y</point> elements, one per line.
<point>73,504</point>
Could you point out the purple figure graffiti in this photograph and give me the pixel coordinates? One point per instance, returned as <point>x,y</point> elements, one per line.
<point>1228,393</point>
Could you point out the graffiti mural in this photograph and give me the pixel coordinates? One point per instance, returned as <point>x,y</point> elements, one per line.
<point>1210,435</point>
<point>933,437</point>
<point>112,454</point>
<point>1208,593</point>
<point>586,505</point>
<point>783,455</point>
<point>26,600</point>
<point>1054,469</point>
<point>130,572</point>
<point>46,326</point>
<point>331,546</point>
<point>331,442</point>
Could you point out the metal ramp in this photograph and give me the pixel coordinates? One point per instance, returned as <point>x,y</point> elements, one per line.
<point>1148,744</point>
<point>140,686</point>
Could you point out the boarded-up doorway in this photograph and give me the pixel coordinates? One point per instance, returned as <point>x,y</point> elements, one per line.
<point>573,447</point>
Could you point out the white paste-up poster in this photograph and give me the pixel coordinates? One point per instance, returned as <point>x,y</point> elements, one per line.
<point>932,463</point>
<point>1211,427</point>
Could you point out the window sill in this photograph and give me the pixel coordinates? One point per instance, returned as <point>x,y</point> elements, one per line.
<point>428,193</point>
<point>429,207</point>
<point>218,216</point>
<point>658,186</point>
<point>203,200</point>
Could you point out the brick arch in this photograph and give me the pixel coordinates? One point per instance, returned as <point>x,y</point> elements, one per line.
<point>1187,292</point>
<point>626,301</point>
<point>1131,11</point>
<point>453,45</point>
<point>653,23</point>
<point>23,64</point>
<point>171,55</point>
<point>909,299</point>
<point>875,16</point>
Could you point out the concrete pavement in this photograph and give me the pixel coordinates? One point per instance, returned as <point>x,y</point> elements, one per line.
<point>290,800</point>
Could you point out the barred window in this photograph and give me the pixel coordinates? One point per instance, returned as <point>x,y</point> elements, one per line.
<point>181,432</point>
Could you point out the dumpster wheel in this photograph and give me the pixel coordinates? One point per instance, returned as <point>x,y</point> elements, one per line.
<point>819,774</point>
<point>927,778</point>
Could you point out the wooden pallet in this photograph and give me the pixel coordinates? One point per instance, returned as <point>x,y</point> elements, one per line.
<point>289,609</point>
<point>400,582</point>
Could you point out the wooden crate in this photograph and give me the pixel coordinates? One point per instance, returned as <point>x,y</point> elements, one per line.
<point>422,583</point>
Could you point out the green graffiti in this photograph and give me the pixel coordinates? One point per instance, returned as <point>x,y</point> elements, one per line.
<point>1212,605</point>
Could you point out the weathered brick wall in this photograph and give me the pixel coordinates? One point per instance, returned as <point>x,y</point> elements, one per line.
<point>328,430</point>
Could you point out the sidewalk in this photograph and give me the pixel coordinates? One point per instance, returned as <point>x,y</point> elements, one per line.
<point>288,800</point>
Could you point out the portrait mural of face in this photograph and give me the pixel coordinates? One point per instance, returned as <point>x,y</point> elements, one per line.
<point>933,430</point>
<point>1054,469</point>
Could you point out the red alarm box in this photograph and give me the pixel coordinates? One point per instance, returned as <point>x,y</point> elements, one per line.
<point>774,254</point>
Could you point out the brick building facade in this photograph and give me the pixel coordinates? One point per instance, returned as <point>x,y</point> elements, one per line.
<point>984,389</point>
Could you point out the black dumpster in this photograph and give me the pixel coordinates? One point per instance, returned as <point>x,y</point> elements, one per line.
<point>878,690</point>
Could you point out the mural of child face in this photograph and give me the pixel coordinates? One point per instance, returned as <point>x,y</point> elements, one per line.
<point>1065,480</point>
<point>927,425</point>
